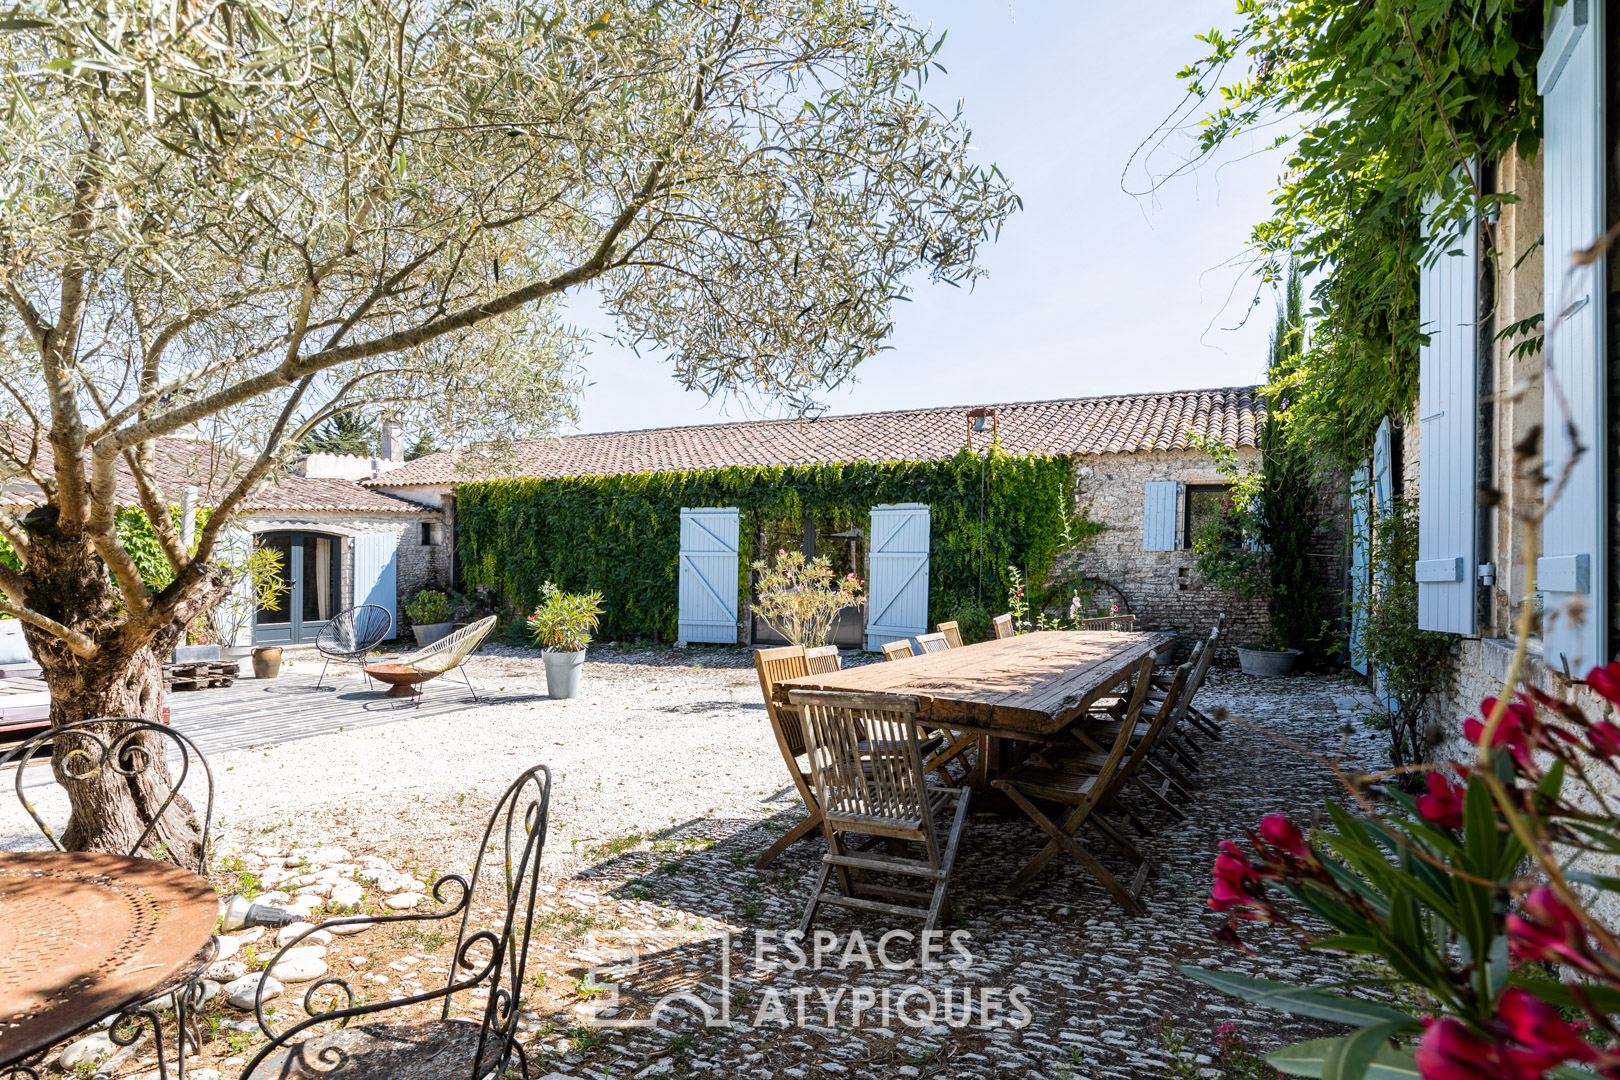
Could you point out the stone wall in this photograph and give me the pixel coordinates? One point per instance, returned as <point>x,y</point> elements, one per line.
<point>420,566</point>
<point>1161,588</point>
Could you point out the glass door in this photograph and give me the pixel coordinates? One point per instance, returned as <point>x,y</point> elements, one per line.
<point>311,573</point>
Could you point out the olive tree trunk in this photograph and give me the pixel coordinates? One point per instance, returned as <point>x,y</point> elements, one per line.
<point>114,800</point>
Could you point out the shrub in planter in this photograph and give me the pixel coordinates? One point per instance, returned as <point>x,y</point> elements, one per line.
<point>799,598</point>
<point>562,626</point>
<point>1475,894</point>
<point>428,607</point>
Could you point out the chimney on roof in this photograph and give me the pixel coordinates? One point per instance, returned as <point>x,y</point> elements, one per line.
<point>392,446</point>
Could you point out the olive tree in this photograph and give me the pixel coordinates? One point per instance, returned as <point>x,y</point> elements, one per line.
<point>241,217</point>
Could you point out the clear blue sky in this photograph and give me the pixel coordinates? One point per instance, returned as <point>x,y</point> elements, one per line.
<point>1090,291</point>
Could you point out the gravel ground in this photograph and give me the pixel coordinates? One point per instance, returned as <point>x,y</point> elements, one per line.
<point>667,783</point>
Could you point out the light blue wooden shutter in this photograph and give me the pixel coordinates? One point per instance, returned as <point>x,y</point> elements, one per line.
<point>236,545</point>
<point>1360,568</point>
<point>1448,417</point>
<point>897,595</point>
<point>1573,572</point>
<point>707,587</point>
<point>376,566</point>
<point>1383,481</point>
<point>1159,515</point>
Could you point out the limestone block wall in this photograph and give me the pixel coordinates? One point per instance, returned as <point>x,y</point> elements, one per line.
<point>420,566</point>
<point>1161,588</point>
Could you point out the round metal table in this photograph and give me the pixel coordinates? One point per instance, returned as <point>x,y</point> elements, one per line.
<point>83,935</point>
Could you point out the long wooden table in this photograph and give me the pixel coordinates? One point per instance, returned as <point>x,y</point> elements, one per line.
<point>1026,687</point>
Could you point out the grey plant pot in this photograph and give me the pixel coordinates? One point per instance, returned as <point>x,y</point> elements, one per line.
<point>1267,662</point>
<point>428,633</point>
<point>563,671</point>
<point>195,654</point>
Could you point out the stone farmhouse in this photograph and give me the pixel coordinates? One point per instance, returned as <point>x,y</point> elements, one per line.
<point>1139,474</point>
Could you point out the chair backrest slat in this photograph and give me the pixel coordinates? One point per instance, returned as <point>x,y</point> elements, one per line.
<point>1171,709</point>
<point>864,757</point>
<point>894,650</point>
<point>1125,623</point>
<point>772,666</point>
<point>1003,625</point>
<point>823,659</point>
<point>931,643</point>
<point>953,633</point>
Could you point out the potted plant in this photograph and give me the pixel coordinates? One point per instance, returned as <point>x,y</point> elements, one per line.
<point>261,585</point>
<point>562,626</point>
<point>430,616</point>
<point>1267,657</point>
<point>800,598</point>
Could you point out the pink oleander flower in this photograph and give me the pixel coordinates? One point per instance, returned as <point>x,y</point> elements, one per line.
<point>1603,739</point>
<point>1239,885</point>
<point>1443,805</point>
<point>1517,732</point>
<point>1545,928</point>
<point>1283,834</point>
<point>1606,681</point>
<point>1538,1027</point>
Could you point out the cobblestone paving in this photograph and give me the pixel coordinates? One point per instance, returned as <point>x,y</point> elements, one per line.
<point>1096,982</point>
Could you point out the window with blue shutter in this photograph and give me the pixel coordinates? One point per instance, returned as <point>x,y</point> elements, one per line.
<point>1572,572</point>
<point>1448,419</point>
<point>1159,515</point>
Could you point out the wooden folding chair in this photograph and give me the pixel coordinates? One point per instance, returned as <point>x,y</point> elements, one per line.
<point>931,643</point>
<point>895,650</point>
<point>822,659</point>
<point>952,632</point>
<point>868,770</point>
<point>1124,623</point>
<point>1086,794</point>
<point>1172,754</point>
<point>1201,664</point>
<point>1002,625</point>
<point>1086,755</point>
<point>774,665</point>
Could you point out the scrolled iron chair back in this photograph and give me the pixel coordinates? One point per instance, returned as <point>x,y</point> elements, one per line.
<point>521,815</point>
<point>86,750</point>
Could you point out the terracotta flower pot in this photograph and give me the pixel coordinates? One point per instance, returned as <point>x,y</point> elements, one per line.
<point>266,661</point>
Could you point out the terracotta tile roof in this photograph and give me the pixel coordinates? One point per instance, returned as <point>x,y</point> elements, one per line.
<point>309,494</point>
<point>1105,425</point>
<point>178,462</point>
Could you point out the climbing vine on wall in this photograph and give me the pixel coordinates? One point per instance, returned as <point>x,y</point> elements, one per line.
<point>1387,108</point>
<point>621,534</point>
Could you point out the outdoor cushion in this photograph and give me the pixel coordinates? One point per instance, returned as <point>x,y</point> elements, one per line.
<point>13,646</point>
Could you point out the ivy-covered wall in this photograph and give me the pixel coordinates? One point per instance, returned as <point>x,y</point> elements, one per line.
<point>621,534</point>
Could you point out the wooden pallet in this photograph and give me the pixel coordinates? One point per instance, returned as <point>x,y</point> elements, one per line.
<point>200,676</point>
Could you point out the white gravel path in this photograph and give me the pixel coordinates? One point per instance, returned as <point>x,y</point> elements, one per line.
<point>651,743</point>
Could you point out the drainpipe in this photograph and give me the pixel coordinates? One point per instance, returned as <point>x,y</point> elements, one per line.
<point>188,516</point>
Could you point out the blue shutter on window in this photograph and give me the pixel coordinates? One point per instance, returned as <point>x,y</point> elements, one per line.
<point>1159,515</point>
<point>1573,572</point>
<point>1448,418</point>
<point>1382,480</point>
<point>1360,566</point>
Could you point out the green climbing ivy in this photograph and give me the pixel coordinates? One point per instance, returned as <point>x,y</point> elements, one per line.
<point>620,535</point>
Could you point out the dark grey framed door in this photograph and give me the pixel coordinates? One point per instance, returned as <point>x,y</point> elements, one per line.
<point>312,571</point>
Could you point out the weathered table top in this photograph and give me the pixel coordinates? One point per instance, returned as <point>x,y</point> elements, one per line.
<point>83,935</point>
<point>1031,685</point>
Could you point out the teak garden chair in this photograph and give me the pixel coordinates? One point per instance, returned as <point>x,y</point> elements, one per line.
<point>952,632</point>
<point>1002,625</point>
<point>772,666</point>
<point>1124,623</point>
<point>1087,794</point>
<point>931,643</point>
<point>895,650</point>
<point>1171,755</point>
<point>869,776</point>
<point>822,659</point>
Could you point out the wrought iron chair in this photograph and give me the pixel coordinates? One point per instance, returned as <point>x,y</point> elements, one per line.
<point>131,751</point>
<point>440,1047</point>
<point>350,635</point>
<point>1002,625</point>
